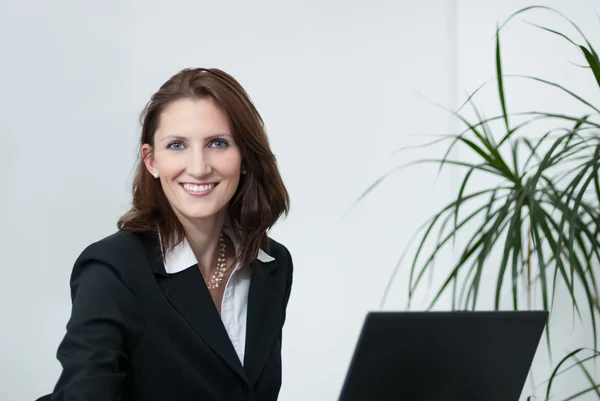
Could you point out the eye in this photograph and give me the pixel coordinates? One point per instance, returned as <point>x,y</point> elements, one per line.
<point>175,145</point>
<point>220,143</point>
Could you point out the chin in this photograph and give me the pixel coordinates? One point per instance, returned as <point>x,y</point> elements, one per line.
<point>200,214</point>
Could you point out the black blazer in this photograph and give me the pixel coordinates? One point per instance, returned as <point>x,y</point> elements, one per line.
<point>138,333</point>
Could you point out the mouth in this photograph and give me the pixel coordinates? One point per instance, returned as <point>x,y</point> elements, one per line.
<point>199,189</point>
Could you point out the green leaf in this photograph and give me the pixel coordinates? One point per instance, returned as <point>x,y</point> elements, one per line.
<point>460,196</point>
<point>500,80</point>
<point>540,255</point>
<point>562,88</point>
<point>478,150</point>
<point>487,132</point>
<point>511,244</point>
<point>590,55</point>
<point>555,371</point>
<point>554,32</point>
<point>587,374</point>
<point>394,170</point>
<point>523,10</point>
<point>487,240</point>
<point>579,394</point>
<point>595,355</point>
<point>477,234</point>
<point>576,266</point>
<point>429,229</point>
<point>515,158</point>
<point>544,218</point>
<point>440,244</point>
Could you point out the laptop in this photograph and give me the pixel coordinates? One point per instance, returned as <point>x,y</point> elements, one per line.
<point>443,356</point>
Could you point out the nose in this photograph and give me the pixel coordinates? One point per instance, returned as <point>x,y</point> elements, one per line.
<point>198,164</point>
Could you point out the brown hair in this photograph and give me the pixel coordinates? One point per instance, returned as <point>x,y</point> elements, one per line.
<point>261,197</point>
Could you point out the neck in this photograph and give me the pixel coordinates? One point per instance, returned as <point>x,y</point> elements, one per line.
<point>203,238</point>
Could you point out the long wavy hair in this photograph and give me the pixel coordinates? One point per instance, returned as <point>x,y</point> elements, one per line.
<point>261,197</point>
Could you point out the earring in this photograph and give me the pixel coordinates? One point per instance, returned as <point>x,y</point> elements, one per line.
<point>243,171</point>
<point>155,174</point>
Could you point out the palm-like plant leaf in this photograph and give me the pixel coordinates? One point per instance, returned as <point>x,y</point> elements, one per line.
<point>579,363</point>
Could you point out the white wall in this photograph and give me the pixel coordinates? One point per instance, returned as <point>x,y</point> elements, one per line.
<point>339,83</point>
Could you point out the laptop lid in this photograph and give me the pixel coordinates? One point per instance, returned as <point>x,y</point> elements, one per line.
<point>443,356</point>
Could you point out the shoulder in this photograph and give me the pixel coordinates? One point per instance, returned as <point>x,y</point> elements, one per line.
<point>118,247</point>
<point>103,295</point>
<point>120,253</point>
<point>278,251</point>
<point>284,259</point>
<point>115,243</point>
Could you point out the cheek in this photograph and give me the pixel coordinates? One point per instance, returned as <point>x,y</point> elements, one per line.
<point>233,163</point>
<point>170,165</point>
<point>231,168</point>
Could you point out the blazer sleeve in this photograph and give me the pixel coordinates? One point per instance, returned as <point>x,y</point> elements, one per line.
<point>290,278</point>
<point>104,326</point>
<point>288,287</point>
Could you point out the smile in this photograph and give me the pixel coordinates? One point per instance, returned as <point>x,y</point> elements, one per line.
<point>198,190</point>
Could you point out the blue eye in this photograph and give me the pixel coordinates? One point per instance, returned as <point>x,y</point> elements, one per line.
<point>223,142</point>
<point>175,145</point>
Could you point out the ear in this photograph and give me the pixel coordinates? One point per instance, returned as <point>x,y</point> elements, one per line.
<point>148,157</point>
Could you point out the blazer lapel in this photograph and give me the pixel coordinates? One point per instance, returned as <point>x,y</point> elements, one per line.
<point>188,294</point>
<point>265,311</point>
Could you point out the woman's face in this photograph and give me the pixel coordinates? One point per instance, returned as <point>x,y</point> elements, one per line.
<point>196,158</point>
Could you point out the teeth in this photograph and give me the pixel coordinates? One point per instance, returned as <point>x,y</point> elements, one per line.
<point>198,188</point>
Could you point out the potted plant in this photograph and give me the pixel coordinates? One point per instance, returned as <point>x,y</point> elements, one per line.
<point>541,212</point>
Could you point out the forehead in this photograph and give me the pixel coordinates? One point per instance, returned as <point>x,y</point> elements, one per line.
<point>188,117</point>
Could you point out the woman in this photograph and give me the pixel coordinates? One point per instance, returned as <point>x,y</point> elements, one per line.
<point>187,300</point>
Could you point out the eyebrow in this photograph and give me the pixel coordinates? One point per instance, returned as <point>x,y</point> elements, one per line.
<point>181,138</point>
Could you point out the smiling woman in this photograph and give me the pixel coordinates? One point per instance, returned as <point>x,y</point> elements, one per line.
<point>197,163</point>
<point>187,300</point>
<point>204,106</point>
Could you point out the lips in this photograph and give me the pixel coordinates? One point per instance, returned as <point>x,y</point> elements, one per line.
<point>198,189</point>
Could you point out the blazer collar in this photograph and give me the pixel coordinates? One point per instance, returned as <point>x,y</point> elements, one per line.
<point>182,257</point>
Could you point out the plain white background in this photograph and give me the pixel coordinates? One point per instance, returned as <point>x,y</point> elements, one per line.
<point>340,85</point>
